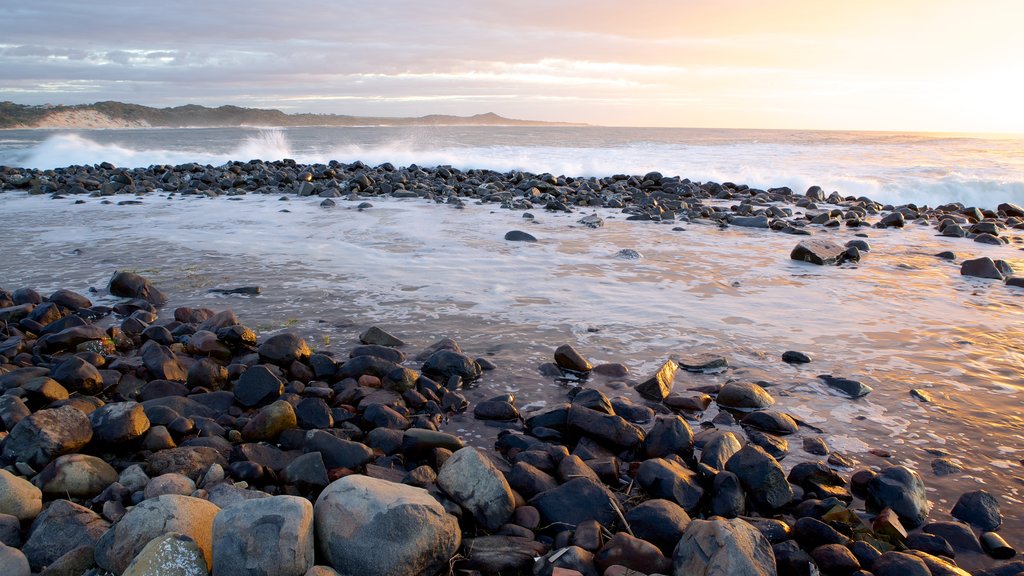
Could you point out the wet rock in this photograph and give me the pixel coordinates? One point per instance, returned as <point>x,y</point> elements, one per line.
<point>669,435</point>
<point>771,421</point>
<point>852,388</point>
<point>761,477</point>
<point>519,236</point>
<point>744,396</point>
<point>170,554</point>
<point>661,478</point>
<point>161,363</point>
<point>835,559</point>
<point>659,386</point>
<point>930,544</point>
<point>719,449</point>
<point>283,349</point>
<point>169,484</point>
<point>358,517</point>
<point>472,480</point>
<point>444,364</point>
<point>633,413</point>
<point>819,251</point>
<point>62,527</point>
<point>811,533</point>
<point>899,564</point>
<point>206,373</point>
<point>703,363</point>
<point>568,358</point>
<point>76,475</point>
<point>47,434</point>
<point>131,285</point>
<point>902,490</point>
<point>720,546</point>
<point>170,513</point>
<point>978,508</point>
<point>750,221</point>
<point>576,501</point>
<point>378,336</point>
<point>270,422</point>
<point>727,497</point>
<point>608,428</point>
<point>658,521</point>
<point>337,452</point>
<point>498,408</point>
<point>70,300</point>
<point>192,461</point>
<point>502,554</point>
<point>794,357</point>
<point>960,536</point>
<point>567,561</point>
<point>792,560</point>
<point>18,497</point>
<point>265,536</point>
<point>892,220</point>
<point>983,267</point>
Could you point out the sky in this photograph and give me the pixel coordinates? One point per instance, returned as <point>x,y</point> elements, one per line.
<point>916,65</point>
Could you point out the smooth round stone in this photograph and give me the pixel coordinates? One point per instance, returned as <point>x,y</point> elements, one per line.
<point>171,554</point>
<point>76,475</point>
<point>18,497</point>
<point>169,484</point>
<point>744,396</point>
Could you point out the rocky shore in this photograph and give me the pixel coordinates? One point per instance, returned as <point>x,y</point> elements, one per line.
<point>140,441</point>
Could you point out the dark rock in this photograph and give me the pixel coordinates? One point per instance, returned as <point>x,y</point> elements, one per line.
<point>750,221</point>
<point>852,388</point>
<point>720,546</point>
<point>258,386</point>
<point>794,357</point>
<point>669,435</point>
<point>744,396</point>
<point>930,543</point>
<point>659,386</point>
<point>502,554</point>
<point>980,509</point>
<point>703,363</point>
<point>633,554</point>
<point>982,267</point>
<point>161,363</point>
<point>70,300</point>
<point>576,501</point>
<point>901,490</point>
<point>771,421</point>
<point>444,364</point>
<point>62,527</point>
<point>191,461</point>
<point>47,434</point>
<point>131,285</point>
<point>78,375</point>
<point>661,478</point>
<point>519,236</point>
<point>337,452</point>
<point>568,358</point>
<point>727,497</point>
<point>660,522</point>
<point>717,451</point>
<point>118,422</point>
<point>496,409</point>
<point>379,337</point>
<point>529,481</point>
<point>899,564</point>
<point>835,559</point>
<point>283,349</point>
<point>608,428</point>
<point>811,533</point>
<point>472,480</point>
<point>819,251</point>
<point>761,477</point>
<point>960,536</point>
<point>385,352</point>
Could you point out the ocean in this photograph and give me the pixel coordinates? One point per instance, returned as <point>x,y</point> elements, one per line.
<point>893,168</point>
<point>899,320</point>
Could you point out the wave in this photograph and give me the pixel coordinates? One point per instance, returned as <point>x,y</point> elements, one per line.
<point>885,173</point>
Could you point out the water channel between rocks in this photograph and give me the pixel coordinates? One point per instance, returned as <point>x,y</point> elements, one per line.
<point>901,319</point>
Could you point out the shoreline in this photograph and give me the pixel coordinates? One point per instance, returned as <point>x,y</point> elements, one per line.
<point>591,430</point>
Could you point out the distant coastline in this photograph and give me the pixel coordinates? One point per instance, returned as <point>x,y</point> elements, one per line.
<point>111,114</point>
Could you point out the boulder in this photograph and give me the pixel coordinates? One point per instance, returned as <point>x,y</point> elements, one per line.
<point>661,478</point>
<point>669,435</point>
<point>283,349</point>
<point>170,554</point>
<point>131,285</point>
<point>744,396</point>
<point>978,508</point>
<point>118,422</point>
<point>374,527</point>
<point>270,422</point>
<point>18,497</point>
<point>75,475</point>
<point>502,554</point>
<point>47,434</point>
<point>660,522</point>
<point>161,362</point>
<point>62,527</point>
<point>576,501</point>
<point>761,477</point>
<point>633,554</point>
<point>899,564</point>
<point>77,375</point>
<point>903,491</point>
<point>819,251</point>
<point>568,358</point>
<point>379,337</point>
<point>257,386</point>
<point>171,513</point>
<point>983,267</point>
<point>447,363</point>
<point>519,236</point>
<point>13,562</point>
<point>264,537</point>
<point>472,480</point>
<point>720,546</point>
<point>659,386</point>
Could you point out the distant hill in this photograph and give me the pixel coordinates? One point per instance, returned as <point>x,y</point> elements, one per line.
<point>122,115</point>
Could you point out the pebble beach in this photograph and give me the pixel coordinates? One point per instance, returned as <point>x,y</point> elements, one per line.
<point>158,423</point>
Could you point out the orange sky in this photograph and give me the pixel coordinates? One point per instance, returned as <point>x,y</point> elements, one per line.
<point>924,65</point>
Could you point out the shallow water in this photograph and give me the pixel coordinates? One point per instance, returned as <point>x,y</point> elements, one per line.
<point>900,319</point>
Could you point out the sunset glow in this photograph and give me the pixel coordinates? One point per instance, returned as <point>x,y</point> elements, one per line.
<point>922,65</point>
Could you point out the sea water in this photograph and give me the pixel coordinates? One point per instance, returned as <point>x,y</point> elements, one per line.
<point>901,319</point>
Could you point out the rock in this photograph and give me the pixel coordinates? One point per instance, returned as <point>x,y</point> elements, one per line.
<point>78,375</point>
<point>661,478</point>
<point>669,435</point>
<point>191,461</point>
<point>131,285</point>
<point>283,349</point>
<point>794,357</point>
<point>744,396</point>
<point>892,220</point>
<point>659,386</point>
<point>978,508</point>
<point>118,422</point>
<point>727,497</point>
<point>498,408</point>
<point>819,251</point>
<point>608,428</point>
<point>704,363</point>
<point>169,484</point>
<point>576,501</point>
<point>502,554</point>
<point>257,386</point>
<point>771,421</point>
<point>337,452</point>
<point>633,554</point>
<point>47,434</point>
<point>264,537</point>
<point>76,475</point>
<point>307,471</point>
<point>270,422</point>
<point>62,527</point>
<point>13,562</point>
<point>812,533</point>
<point>377,336</point>
<point>472,480</point>
<point>171,513</point>
<point>358,517</point>
<point>959,535</point>
<point>447,363</point>
<point>902,490</point>
<point>519,236</point>
<point>931,544</point>
<point>899,564</point>
<point>720,546</point>
<point>529,481</point>
<point>983,267</point>
<point>568,358</point>
<point>591,221</point>
<point>717,451</point>
<point>852,388</point>
<point>750,221</point>
<point>70,300</point>
<point>170,554</point>
<point>761,477</point>
<point>18,497</point>
<point>660,522</point>
<point>835,558</point>
<point>161,363</point>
